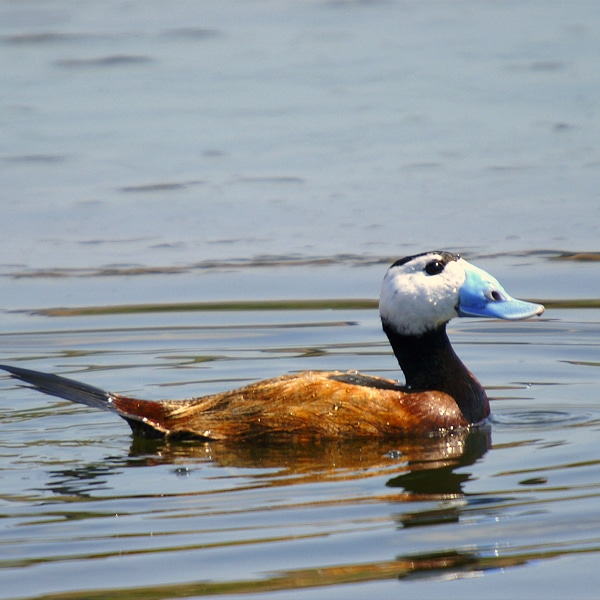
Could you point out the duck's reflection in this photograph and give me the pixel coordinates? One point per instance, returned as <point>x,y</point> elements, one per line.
<point>441,481</point>
<point>423,467</point>
<point>433,474</point>
<point>420,468</point>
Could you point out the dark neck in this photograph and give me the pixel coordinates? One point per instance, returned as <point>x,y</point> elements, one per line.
<point>429,363</point>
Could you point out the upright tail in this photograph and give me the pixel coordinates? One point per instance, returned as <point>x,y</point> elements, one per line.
<point>145,417</point>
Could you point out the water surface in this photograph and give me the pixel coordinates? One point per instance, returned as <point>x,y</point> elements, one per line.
<point>213,192</point>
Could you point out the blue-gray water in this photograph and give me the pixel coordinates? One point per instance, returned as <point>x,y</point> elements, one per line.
<point>239,151</point>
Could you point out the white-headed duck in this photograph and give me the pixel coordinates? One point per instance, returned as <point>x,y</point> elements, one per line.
<point>419,295</point>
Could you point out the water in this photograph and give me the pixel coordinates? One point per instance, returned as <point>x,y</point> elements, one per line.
<point>154,160</point>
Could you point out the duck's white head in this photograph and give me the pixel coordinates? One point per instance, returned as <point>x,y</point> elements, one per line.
<point>420,293</point>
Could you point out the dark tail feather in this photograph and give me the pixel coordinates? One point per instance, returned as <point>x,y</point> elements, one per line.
<point>146,418</point>
<point>69,389</point>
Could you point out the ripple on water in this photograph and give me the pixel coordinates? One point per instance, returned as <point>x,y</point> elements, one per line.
<point>536,419</point>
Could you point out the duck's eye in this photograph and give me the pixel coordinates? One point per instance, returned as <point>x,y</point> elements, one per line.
<point>434,267</point>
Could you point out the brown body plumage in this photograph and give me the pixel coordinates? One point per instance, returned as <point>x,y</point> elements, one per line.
<point>307,405</point>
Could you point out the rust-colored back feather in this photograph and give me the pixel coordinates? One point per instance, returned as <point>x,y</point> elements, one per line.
<point>306,405</point>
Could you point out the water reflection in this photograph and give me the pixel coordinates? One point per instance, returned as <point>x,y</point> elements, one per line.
<point>436,478</point>
<point>80,482</point>
<point>422,468</point>
<point>426,465</point>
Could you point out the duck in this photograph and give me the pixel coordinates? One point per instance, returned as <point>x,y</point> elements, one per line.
<point>420,294</point>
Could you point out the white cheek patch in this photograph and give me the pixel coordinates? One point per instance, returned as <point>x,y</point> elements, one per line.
<point>413,301</point>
